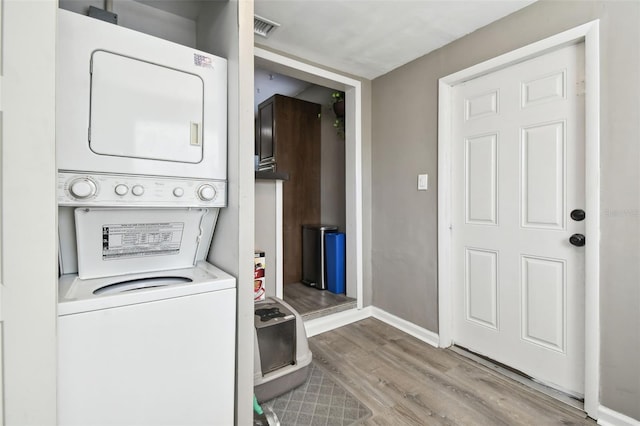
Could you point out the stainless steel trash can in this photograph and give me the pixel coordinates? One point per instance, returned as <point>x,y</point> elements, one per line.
<point>313,256</point>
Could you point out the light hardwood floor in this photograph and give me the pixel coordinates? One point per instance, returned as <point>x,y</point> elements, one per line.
<point>312,303</point>
<point>407,382</point>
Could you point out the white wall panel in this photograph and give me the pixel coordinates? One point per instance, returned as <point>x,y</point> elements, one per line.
<point>543,176</point>
<point>544,302</point>
<point>29,268</point>
<point>481,185</point>
<point>544,89</point>
<point>481,285</point>
<point>481,105</point>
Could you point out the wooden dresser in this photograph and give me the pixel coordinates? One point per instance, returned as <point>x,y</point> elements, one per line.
<point>288,140</point>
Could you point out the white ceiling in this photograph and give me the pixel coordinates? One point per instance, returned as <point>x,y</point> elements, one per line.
<point>369,38</point>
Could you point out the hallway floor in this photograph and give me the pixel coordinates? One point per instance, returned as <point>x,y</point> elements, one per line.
<point>407,382</point>
<point>312,303</point>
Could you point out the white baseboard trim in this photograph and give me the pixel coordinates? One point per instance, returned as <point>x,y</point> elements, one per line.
<point>330,322</point>
<point>323,324</point>
<point>608,417</point>
<point>408,327</point>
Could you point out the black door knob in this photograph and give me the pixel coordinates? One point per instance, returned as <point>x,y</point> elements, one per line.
<point>578,215</point>
<point>577,240</point>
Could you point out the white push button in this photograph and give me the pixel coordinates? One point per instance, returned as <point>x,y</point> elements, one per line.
<point>137,190</point>
<point>178,192</point>
<point>82,188</point>
<point>122,189</point>
<point>206,192</point>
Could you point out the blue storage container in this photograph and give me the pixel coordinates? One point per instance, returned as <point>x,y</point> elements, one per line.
<point>335,261</point>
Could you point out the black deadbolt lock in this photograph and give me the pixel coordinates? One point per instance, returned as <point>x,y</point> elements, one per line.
<point>578,215</point>
<point>577,240</point>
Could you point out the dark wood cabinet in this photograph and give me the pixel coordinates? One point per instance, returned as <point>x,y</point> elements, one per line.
<point>265,148</point>
<point>288,137</point>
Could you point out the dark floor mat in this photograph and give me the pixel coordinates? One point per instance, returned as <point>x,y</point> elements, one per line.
<point>320,401</point>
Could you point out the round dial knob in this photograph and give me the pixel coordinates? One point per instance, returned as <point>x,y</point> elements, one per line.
<point>121,189</point>
<point>206,192</point>
<point>137,190</point>
<point>82,188</point>
<point>178,192</point>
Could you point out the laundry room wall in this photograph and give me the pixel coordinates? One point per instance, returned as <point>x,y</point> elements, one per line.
<point>143,18</point>
<point>405,122</point>
<point>226,29</point>
<point>332,159</point>
<point>28,226</point>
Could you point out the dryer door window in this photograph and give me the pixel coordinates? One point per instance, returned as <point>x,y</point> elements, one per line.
<point>144,110</point>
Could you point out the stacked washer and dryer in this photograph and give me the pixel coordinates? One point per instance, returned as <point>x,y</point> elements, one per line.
<point>146,326</point>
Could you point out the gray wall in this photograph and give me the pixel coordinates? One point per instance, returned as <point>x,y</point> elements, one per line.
<point>404,249</point>
<point>332,183</point>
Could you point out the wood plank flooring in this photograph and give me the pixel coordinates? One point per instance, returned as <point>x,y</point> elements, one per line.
<point>407,382</point>
<point>313,303</point>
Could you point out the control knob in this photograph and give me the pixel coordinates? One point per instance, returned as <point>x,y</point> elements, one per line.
<point>206,192</point>
<point>178,192</point>
<point>121,189</point>
<point>82,188</point>
<point>137,190</point>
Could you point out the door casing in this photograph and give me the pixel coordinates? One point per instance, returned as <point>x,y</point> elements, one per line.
<point>589,34</point>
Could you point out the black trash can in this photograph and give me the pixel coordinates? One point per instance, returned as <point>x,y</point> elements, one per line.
<point>313,255</point>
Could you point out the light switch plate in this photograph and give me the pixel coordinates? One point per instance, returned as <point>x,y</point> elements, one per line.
<point>423,182</point>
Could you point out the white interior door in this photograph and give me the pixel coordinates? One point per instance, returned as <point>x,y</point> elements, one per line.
<point>518,173</point>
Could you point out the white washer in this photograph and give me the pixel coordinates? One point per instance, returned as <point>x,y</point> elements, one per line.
<point>147,349</point>
<point>146,328</point>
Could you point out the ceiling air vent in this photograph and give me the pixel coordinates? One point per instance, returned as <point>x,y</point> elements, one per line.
<point>263,27</point>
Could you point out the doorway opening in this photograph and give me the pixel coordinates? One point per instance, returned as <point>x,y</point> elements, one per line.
<point>339,199</point>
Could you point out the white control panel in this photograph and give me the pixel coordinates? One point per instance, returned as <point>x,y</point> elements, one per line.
<point>96,189</point>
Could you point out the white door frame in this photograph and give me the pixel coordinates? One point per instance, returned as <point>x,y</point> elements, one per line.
<point>353,156</point>
<point>589,34</point>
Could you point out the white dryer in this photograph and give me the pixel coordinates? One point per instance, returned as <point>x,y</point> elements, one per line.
<point>136,104</point>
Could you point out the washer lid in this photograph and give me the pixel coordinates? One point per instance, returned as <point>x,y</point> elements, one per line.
<point>140,284</point>
<point>118,241</point>
<point>76,295</point>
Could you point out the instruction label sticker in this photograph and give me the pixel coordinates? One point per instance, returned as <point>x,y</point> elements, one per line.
<point>121,241</point>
